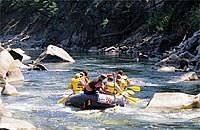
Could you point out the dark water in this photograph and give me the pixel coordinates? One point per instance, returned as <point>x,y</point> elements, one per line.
<point>42,89</point>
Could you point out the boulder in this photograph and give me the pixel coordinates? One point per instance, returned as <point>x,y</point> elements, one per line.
<point>2,82</point>
<point>9,90</point>
<point>21,53</point>
<point>37,67</point>
<point>185,56</point>
<point>172,60</point>
<point>8,69</point>
<point>21,65</point>
<point>111,49</point>
<point>54,51</point>
<point>166,69</point>
<point>15,55</point>
<point>172,101</point>
<point>189,76</point>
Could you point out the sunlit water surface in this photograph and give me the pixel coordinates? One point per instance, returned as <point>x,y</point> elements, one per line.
<point>39,93</point>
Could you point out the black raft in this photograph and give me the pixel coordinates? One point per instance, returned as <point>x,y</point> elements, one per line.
<point>96,101</point>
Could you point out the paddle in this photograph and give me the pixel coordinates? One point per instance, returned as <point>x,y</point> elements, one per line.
<point>128,97</point>
<point>64,99</point>
<point>132,100</point>
<point>130,92</point>
<point>135,88</point>
<point>115,79</point>
<point>127,94</point>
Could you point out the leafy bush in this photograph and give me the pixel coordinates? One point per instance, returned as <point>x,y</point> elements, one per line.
<point>194,18</point>
<point>45,7</point>
<point>158,21</point>
<point>105,22</point>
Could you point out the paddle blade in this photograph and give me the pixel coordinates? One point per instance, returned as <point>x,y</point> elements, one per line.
<point>130,92</point>
<point>118,94</point>
<point>125,93</point>
<point>132,100</point>
<point>62,100</point>
<point>135,88</point>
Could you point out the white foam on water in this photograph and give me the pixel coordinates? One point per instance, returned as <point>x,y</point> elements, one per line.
<point>171,117</point>
<point>25,93</point>
<point>143,82</point>
<point>78,112</point>
<point>58,70</point>
<point>20,106</point>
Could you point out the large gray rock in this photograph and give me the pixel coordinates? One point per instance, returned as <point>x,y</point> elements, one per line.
<point>8,69</point>
<point>166,69</point>
<point>54,51</point>
<point>2,82</point>
<point>184,57</point>
<point>20,52</point>
<point>189,76</point>
<point>172,101</point>
<point>9,90</point>
<point>172,60</point>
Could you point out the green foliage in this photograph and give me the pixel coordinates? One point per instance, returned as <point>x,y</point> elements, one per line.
<point>50,6</point>
<point>194,18</point>
<point>19,4</point>
<point>47,7</point>
<point>105,22</point>
<point>158,21</point>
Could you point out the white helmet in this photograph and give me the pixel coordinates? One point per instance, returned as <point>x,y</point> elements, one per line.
<point>77,75</point>
<point>124,77</point>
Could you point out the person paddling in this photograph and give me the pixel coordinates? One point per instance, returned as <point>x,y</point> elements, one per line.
<point>84,79</point>
<point>75,84</point>
<point>109,85</point>
<point>95,85</point>
<point>122,80</point>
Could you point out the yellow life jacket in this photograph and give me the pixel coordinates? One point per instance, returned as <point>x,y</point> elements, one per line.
<point>122,83</point>
<point>75,84</point>
<point>110,87</point>
<point>126,79</point>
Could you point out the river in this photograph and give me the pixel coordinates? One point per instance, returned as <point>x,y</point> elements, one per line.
<point>39,93</point>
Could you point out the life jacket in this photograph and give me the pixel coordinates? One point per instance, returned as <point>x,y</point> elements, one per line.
<point>126,79</point>
<point>110,87</point>
<point>75,84</point>
<point>122,83</point>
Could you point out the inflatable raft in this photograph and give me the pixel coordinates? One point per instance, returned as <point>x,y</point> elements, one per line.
<point>96,101</point>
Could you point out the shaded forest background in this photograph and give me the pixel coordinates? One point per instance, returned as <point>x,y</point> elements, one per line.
<point>84,24</point>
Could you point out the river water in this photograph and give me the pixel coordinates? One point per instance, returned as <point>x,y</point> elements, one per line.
<point>39,93</point>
